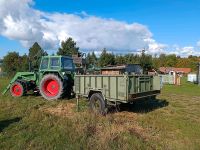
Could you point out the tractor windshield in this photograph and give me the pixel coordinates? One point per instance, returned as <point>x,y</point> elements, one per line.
<point>67,64</point>
<point>44,64</point>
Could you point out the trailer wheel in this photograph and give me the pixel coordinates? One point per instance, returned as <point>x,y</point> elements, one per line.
<point>51,87</point>
<point>17,89</point>
<point>153,97</point>
<point>97,104</point>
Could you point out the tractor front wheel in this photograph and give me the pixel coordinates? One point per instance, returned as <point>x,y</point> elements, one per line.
<point>17,89</point>
<point>51,87</point>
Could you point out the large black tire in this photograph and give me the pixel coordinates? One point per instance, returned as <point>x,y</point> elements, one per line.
<point>51,87</point>
<point>153,97</point>
<point>17,89</point>
<point>97,104</point>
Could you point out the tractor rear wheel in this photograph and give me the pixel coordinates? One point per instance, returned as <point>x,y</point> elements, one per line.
<point>51,87</point>
<point>17,89</point>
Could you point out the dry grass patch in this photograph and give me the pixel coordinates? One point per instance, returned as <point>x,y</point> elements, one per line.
<point>101,129</point>
<point>61,110</point>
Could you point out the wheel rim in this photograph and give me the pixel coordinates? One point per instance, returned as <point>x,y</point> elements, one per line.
<point>96,106</point>
<point>17,90</point>
<point>51,88</point>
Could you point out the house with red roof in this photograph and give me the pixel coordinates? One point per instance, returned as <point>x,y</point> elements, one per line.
<point>167,70</point>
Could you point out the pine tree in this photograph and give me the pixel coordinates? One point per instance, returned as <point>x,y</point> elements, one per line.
<point>35,54</point>
<point>106,58</point>
<point>68,47</point>
<point>91,59</point>
<point>146,62</point>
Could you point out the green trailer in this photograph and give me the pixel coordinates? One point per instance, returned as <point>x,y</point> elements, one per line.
<point>103,90</point>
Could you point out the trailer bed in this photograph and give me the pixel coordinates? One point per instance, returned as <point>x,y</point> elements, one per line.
<point>120,88</point>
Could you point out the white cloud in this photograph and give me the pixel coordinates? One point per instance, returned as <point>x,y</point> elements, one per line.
<point>184,51</point>
<point>20,22</point>
<point>155,48</point>
<point>27,25</point>
<point>198,43</point>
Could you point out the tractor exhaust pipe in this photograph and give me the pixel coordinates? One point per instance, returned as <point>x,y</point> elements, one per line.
<point>29,64</point>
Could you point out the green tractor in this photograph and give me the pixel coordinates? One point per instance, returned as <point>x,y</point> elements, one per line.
<point>53,80</point>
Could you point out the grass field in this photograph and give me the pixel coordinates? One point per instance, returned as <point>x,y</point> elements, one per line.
<point>172,121</point>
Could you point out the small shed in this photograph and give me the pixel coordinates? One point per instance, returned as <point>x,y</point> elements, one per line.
<point>122,69</point>
<point>192,77</point>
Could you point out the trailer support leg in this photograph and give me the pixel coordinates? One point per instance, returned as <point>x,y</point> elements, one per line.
<point>77,103</point>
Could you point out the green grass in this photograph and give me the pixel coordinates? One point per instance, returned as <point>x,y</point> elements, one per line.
<point>172,121</point>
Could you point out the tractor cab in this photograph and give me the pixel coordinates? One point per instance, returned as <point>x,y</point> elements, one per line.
<point>57,63</point>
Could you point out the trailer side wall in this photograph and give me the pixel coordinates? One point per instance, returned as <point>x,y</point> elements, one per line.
<point>117,87</point>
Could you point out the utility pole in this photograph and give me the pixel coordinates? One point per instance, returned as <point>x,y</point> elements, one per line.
<point>198,73</point>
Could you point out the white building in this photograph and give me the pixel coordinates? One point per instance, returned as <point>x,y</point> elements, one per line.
<point>192,77</point>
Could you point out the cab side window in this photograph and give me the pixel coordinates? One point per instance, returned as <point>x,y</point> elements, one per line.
<point>44,64</point>
<point>55,63</point>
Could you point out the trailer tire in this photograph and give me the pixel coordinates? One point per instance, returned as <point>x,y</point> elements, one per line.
<point>153,97</point>
<point>17,89</point>
<point>51,87</point>
<point>97,104</point>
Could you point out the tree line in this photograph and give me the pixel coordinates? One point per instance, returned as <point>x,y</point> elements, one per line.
<point>147,61</point>
<point>13,62</point>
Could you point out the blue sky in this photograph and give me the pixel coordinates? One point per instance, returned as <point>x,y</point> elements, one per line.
<point>171,22</point>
